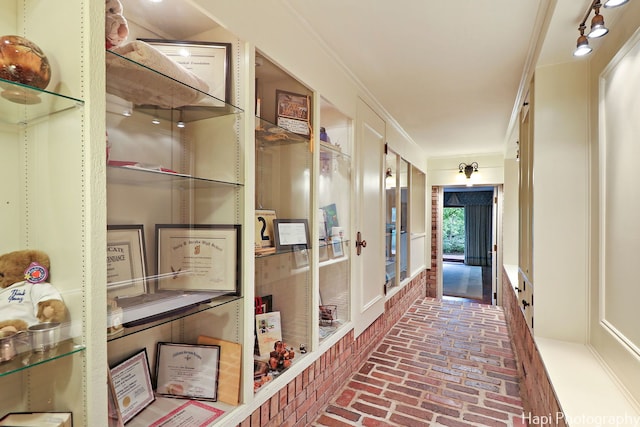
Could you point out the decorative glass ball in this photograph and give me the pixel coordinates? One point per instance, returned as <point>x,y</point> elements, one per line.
<point>21,61</point>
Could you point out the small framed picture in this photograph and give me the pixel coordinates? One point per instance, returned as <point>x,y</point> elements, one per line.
<point>130,381</point>
<point>291,234</point>
<point>188,370</point>
<point>198,257</point>
<point>337,248</point>
<point>126,261</point>
<point>293,112</point>
<point>264,228</point>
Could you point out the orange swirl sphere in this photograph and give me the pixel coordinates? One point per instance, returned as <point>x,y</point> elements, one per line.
<point>21,61</point>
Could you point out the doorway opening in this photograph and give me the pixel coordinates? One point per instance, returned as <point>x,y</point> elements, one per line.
<point>468,227</point>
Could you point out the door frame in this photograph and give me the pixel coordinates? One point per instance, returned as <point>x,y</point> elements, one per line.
<point>496,256</point>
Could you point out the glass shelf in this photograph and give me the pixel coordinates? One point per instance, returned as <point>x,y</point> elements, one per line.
<point>155,93</point>
<point>330,151</point>
<point>44,104</point>
<point>269,134</point>
<point>215,299</point>
<point>27,358</point>
<point>142,176</point>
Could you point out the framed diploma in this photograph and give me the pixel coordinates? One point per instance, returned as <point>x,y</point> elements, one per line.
<point>291,234</point>
<point>187,370</point>
<point>131,384</point>
<point>211,61</point>
<point>126,261</point>
<point>198,257</point>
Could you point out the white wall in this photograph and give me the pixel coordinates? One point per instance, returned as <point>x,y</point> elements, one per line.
<point>623,361</point>
<point>560,200</point>
<point>510,224</point>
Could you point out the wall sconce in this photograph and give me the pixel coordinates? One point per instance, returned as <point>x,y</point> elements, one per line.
<point>598,29</point>
<point>468,170</point>
<point>388,173</point>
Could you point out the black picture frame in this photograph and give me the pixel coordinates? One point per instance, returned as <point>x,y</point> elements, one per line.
<point>129,242</point>
<point>165,273</point>
<point>291,234</point>
<point>182,370</point>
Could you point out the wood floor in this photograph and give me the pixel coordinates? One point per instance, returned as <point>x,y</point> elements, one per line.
<point>486,289</point>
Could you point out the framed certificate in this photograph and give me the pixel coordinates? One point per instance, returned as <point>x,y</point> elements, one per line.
<point>187,370</point>
<point>126,261</point>
<point>198,257</point>
<point>211,61</point>
<point>192,413</point>
<point>291,234</point>
<point>131,384</point>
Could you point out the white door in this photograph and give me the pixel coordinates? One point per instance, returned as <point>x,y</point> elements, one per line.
<point>368,267</point>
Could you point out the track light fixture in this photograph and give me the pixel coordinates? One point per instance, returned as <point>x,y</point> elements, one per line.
<point>598,29</point>
<point>582,46</point>
<point>614,3</point>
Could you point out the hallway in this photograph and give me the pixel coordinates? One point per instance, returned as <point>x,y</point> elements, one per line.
<point>445,363</point>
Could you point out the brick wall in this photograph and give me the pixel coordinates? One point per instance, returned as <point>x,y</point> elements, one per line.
<point>299,402</point>
<point>537,394</point>
<point>432,278</point>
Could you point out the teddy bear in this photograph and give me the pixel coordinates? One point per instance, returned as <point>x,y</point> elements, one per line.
<point>26,298</point>
<point>116,27</point>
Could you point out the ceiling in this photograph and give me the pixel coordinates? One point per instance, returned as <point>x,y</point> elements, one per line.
<point>449,73</point>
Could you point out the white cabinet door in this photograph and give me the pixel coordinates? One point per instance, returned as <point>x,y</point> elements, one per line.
<point>369,274</point>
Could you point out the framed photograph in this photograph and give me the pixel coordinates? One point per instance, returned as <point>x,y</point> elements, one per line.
<point>211,61</point>
<point>337,249</point>
<point>264,228</point>
<point>300,256</point>
<point>198,257</point>
<point>291,234</point>
<point>130,381</point>
<point>126,261</point>
<point>187,370</point>
<point>292,112</point>
<point>268,332</point>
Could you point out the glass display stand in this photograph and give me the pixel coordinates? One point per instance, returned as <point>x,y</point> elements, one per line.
<point>283,285</point>
<point>22,120</point>
<point>174,238</point>
<point>334,202</point>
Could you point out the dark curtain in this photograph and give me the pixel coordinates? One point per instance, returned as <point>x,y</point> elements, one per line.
<point>477,228</point>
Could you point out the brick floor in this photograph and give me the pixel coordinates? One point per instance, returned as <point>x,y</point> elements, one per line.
<point>445,363</point>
